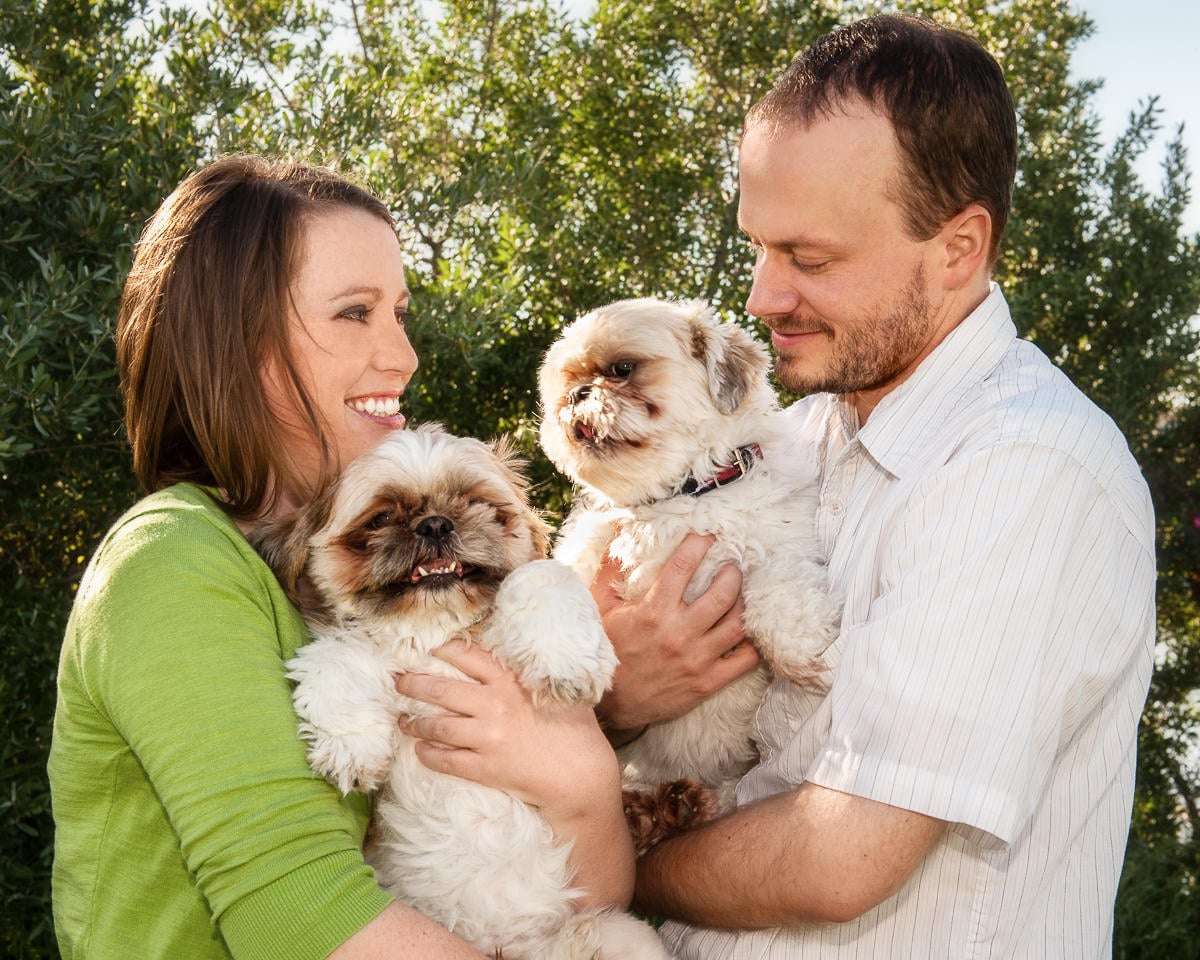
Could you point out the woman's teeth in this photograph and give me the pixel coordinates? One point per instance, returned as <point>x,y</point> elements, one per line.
<point>377,406</point>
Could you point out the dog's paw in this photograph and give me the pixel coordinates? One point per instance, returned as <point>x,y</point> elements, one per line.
<point>547,629</point>
<point>668,809</point>
<point>353,764</point>
<point>792,624</point>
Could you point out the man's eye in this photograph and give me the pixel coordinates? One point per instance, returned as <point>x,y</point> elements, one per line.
<point>622,369</point>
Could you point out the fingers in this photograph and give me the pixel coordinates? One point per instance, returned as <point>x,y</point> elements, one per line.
<point>472,660</point>
<point>604,585</point>
<point>442,759</point>
<point>682,565</point>
<point>444,731</point>
<point>451,693</point>
<point>741,659</point>
<point>717,613</point>
<point>447,694</point>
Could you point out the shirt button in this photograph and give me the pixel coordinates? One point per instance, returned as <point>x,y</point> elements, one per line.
<point>835,507</point>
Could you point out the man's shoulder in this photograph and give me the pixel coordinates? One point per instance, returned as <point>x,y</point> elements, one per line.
<point>1032,401</point>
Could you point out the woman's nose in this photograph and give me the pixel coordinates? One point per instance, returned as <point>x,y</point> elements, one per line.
<point>395,352</point>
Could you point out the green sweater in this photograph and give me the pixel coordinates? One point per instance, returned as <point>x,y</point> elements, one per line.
<point>188,824</point>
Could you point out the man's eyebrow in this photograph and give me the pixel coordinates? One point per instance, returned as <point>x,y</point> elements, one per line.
<point>793,243</point>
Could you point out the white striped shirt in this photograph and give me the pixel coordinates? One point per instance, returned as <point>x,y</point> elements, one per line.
<point>994,542</point>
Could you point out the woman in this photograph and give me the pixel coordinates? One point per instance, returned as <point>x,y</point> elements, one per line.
<point>261,345</point>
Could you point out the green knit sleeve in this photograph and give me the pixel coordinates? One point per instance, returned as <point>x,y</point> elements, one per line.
<point>188,632</point>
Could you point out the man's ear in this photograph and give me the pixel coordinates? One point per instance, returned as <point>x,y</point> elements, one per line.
<point>967,239</point>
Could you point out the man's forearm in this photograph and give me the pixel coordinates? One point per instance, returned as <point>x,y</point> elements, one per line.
<point>811,855</point>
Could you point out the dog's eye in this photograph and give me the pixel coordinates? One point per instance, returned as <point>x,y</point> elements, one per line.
<point>622,369</point>
<point>380,520</point>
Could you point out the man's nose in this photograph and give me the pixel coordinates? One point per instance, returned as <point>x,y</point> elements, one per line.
<point>772,292</point>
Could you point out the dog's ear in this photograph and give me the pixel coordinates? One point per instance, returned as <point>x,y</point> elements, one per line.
<point>284,545</point>
<point>513,467</point>
<point>735,360</point>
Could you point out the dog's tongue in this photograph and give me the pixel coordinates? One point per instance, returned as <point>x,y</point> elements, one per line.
<point>583,431</point>
<point>436,568</point>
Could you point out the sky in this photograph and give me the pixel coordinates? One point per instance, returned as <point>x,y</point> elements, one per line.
<point>1142,48</point>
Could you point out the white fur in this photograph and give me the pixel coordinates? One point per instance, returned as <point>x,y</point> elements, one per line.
<point>683,412</point>
<point>481,863</point>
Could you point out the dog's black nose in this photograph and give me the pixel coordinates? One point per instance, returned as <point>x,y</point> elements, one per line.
<point>579,394</point>
<point>436,529</point>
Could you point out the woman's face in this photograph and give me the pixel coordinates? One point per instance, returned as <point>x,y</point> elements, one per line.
<point>347,339</point>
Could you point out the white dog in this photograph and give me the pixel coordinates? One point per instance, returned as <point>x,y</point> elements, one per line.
<point>427,537</point>
<point>665,420</point>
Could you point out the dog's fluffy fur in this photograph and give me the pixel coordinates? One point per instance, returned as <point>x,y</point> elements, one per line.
<point>638,397</point>
<point>427,537</point>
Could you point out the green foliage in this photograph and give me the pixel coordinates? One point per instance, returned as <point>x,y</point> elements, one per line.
<point>538,167</point>
<point>92,133</point>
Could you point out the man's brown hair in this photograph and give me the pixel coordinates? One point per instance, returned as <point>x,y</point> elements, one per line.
<point>945,96</point>
<point>205,305</point>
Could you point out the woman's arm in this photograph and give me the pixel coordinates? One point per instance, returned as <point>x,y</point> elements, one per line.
<point>555,758</point>
<point>401,931</point>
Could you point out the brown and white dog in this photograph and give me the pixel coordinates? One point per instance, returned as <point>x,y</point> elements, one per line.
<point>665,419</point>
<point>426,537</point>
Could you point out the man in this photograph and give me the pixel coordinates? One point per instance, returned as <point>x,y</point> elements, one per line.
<point>963,788</point>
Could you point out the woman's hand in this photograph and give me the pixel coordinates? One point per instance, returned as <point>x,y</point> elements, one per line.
<point>672,654</point>
<point>555,758</point>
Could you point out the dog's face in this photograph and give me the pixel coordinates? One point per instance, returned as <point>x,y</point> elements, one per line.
<point>425,525</point>
<point>636,394</point>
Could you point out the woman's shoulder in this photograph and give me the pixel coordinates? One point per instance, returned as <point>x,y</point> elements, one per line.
<point>169,537</point>
<point>180,512</point>
<point>174,563</point>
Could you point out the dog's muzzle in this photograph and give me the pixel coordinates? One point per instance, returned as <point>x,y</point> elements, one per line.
<point>579,394</point>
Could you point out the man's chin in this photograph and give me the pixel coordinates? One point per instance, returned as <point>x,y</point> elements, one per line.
<point>799,377</point>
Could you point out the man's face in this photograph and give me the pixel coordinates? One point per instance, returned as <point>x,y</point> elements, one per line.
<point>848,294</point>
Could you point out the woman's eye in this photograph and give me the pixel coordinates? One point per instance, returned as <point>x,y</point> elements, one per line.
<point>622,369</point>
<point>358,314</point>
<point>404,315</point>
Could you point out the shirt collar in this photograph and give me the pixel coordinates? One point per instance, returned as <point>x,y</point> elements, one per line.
<point>898,427</point>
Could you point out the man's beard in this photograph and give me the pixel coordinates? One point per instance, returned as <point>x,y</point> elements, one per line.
<point>873,354</point>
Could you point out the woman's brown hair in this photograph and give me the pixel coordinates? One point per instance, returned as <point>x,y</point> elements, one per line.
<point>205,304</point>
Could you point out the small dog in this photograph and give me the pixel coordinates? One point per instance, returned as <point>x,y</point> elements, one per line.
<point>427,537</point>
<point>665,420</point>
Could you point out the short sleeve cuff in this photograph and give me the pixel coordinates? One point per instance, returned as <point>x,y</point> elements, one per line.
<point>923,791</point>
<point>308,913</point>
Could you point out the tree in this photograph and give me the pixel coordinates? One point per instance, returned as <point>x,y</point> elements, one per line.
<point>91,130</point>
<point>538,167</point>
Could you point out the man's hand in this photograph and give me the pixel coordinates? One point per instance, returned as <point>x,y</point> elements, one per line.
<point>672,654</point>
